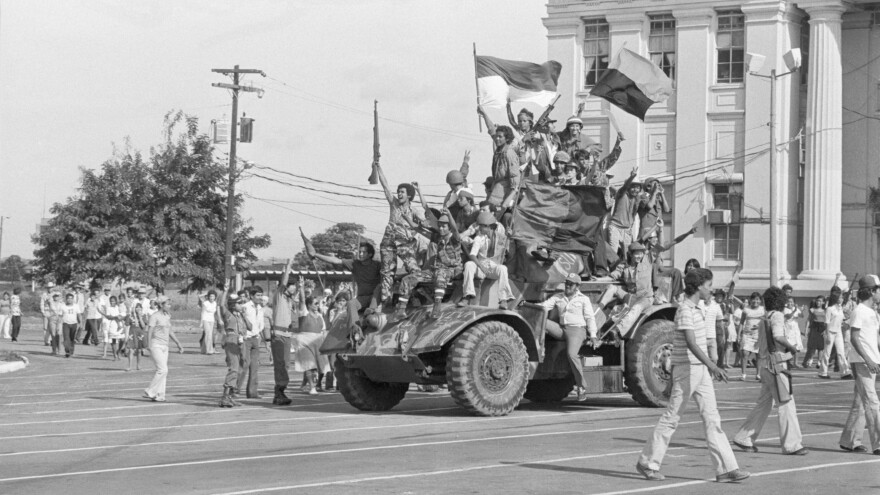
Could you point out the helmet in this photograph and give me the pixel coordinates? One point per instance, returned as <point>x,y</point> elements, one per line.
<point>485,218</point>
<point>574,119</point>
<point>561,157</point>
<point>443,219</point>
<point>454,177</point>
<point>573,278</point>
<point>636,246</point>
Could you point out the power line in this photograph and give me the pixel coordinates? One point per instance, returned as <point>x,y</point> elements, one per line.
<point>270,202</point>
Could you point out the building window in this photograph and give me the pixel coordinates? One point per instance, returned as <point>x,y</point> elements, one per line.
<point>726,237</point>
<point>731,42</point>
<point>596,45</point>
<point>661,43</point>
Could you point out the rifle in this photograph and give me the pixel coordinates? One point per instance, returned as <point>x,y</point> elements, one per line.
<point>374,178</point>
<point>314,265</point>
<point>544,119</point>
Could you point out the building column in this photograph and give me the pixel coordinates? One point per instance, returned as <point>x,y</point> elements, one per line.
<point>695,58</point>
<point>626,30</point>
<point>562,46</point>
<point>823,175</point>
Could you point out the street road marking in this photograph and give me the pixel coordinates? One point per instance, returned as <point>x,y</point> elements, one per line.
<point>754,475</point>
<point>42,402</point>
<point>149,404</point>
<point>353,450</point>
<point>436,473</point>
<point>296,433</point>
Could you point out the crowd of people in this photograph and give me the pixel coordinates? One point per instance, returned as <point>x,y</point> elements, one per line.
<point>696,363</point>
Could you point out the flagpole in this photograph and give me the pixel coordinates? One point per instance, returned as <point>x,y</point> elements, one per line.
<point>477,85</point>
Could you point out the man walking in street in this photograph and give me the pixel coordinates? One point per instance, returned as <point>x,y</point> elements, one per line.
<point>865,359</point>
<point>250,349</point>
<point>693,368</point>
<point>774,352</point>
<point>283,300</point>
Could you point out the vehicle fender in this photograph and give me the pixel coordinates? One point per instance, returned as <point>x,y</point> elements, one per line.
<point>661,311</point>
<point>426,334</point>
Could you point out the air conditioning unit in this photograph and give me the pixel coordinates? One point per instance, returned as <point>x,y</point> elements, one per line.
<point>718,217</point>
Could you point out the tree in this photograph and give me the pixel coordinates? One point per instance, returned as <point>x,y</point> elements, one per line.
<point>149,221</point>
<point>340,240</point>
<point>12,268</point>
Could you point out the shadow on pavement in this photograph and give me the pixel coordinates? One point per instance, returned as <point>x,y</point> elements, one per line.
<point>628,475</point>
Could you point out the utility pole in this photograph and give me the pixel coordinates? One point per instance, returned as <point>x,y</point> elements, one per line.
<point>774,196</point>
<point>233,137</point>
<point>1,236</point>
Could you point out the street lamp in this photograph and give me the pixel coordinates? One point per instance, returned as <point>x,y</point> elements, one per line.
<point>755,62</point>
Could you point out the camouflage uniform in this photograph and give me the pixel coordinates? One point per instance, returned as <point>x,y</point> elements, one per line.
<point>446,266</point>
<point>398,241</point>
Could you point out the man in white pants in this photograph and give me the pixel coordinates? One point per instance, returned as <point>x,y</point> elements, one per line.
<point>865,360</point>
<point>693,368</point>
<point>486,257</point>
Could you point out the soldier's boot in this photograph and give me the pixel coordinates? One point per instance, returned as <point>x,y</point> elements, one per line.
<point>435,312</point>
<point>280,398</point>
<point>226,400</point>
<point>330,382</point>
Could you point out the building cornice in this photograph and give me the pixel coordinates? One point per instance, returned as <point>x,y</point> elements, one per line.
<point>693,18</point>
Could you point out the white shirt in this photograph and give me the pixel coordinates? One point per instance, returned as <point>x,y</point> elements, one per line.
<point>834,319</point>
<point>69,314</point>
<point>145,305</point>
<point>208,310</point>
<point>577,311</point>
<point>868,322</point>
<point>250,313</point>
<point>712,315</point>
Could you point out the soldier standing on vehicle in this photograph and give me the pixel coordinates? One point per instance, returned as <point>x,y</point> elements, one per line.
<point>365,271</point>
<point>486,260</point>
<point>693,368</point>
<point>774,352</point>
<point>637,290</point>
<point>398,240</point>
<point>576,321</point>
<point>446,244</point>
<point>626,203</point>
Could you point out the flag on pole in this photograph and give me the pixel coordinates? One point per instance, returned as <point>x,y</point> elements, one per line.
<point>633,83</point>
<point>499,80</point>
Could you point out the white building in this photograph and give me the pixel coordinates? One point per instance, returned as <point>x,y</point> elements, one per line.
<point>709,143</point>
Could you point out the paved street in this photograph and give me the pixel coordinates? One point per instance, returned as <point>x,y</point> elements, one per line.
<point>80,425</point>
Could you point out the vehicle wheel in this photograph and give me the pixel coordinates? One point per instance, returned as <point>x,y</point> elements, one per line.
<point>649,363</point>
<point>553,390</point>
<point>365,394</point>
<point>487,369</point>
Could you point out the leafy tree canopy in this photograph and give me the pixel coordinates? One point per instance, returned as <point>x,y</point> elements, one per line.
<point>340,240</point>
<point>148,220</point>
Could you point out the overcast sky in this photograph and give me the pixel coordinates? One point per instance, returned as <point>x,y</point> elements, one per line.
<point>79,76</point>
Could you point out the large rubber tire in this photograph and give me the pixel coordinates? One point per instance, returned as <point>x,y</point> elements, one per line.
<point>487,369</point>
<point>648,363</point>
<point>365,394</point>
<point>554,390</point>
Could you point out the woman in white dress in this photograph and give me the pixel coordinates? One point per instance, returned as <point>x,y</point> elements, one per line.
<point>792,314</point>
<point>208,303</point>
<point>115,335</point>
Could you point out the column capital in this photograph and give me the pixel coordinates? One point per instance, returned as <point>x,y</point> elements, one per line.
<point>766,11</point>
<point>825,10</point>
<point>562,26</point>
<point>627,21</point>
<point>691,18</point>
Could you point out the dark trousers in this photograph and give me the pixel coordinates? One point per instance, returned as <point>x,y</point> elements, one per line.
<point>721,341</point>
<point>16,326</point>
<point>250,365</point>
<point>233,363</point>
<point>69,332</point>
<point>93,328</point>
<point>281,360</point>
